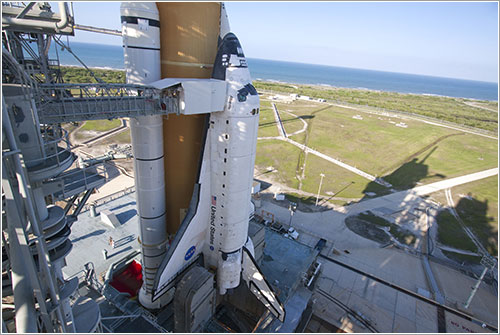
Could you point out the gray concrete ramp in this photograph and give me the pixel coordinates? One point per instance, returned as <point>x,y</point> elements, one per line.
<point>109,218</point>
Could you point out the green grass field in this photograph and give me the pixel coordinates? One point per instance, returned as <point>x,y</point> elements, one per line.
<point>379,147</point>
<point>420,153</point>
<point>120,138</point>
<point>484,190</point>
<point>284,157</point>
<point>480,211</point>
<point>267,124</point>
<point>97,126</point>
<point>291,123</point>
<point>456,110</point>
<point>81,75</point>
<point>405,157</point>
<point>101,125</point>
<point>450,232</point>
<point>280,155</point>
<point>339,181</point>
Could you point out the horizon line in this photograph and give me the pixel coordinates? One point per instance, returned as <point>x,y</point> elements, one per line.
<point>347,67</point>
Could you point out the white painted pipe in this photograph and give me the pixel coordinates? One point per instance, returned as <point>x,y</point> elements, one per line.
<point>63,22</point>
<point>475,288</point>
<point>64,16</point>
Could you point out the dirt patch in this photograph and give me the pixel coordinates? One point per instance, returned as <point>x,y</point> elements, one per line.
<point>367,230</point>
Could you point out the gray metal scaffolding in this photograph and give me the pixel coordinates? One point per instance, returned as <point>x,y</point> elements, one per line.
<point>57,103</point>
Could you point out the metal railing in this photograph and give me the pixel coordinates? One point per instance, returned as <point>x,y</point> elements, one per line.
<point>82,179</point>
<point>58,103</point>
<point>88,276</point>
<point>109,198</point>
<point>53,154</point>
<point>130,308</point>
<point>14,4</point>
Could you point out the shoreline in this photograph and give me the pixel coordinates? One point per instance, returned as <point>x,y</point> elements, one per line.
<point>328,86</point>
<point>93,67</point>
<point>317,85</point>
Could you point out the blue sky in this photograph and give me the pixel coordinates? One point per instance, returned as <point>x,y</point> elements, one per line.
<point>446,39</point>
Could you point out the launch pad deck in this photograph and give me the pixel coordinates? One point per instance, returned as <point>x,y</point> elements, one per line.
<point>284,262</point>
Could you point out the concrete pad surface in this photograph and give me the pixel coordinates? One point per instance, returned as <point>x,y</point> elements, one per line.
<point>403,325</point>
<point>347,279</point>
<point>484,305</point>
<point>385,297</point>
<point>341,293</point>
<point>379,317</point>
<point>406,306</point>
<point>455,324</point>
<point>325,284</point>
<point>426,317</point>
<point>331,270</point>
<point>90,237</point>
<point>393,265</point>
<point>364,287</point>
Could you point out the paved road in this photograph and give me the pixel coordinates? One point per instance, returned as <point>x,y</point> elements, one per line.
<point>304,124</point>
<point>322,223</point>
<point>448,183</point>
<point>473,104</point>
<point>279,124</point>
<point>411,197</point>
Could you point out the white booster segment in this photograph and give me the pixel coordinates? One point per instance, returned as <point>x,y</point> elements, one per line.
<point>141,43</point>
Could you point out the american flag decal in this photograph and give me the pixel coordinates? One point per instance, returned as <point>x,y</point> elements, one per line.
<point>214,200</point>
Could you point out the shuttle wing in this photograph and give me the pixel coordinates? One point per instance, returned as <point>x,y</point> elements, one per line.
<point>259,286</point>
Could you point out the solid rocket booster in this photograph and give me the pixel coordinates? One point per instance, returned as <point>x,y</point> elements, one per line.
<point>216,223</point>
<point>141,41</point>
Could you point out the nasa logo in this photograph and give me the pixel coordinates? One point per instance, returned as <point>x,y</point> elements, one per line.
<point>212,247</point>
<point>190,253</point>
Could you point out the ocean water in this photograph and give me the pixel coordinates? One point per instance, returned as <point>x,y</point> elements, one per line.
<point>111,56</point>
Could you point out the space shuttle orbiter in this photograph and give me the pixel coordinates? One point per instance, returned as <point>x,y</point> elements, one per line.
<point>216,223</point>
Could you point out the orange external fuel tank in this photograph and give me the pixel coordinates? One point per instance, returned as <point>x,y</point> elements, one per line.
<point>189,32</point>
